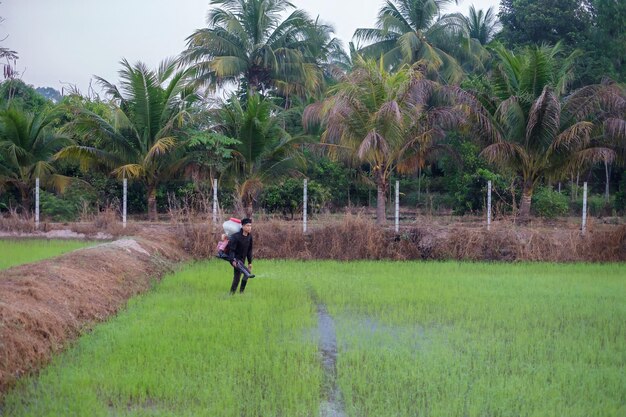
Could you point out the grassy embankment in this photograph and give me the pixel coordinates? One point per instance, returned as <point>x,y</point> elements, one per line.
<point>16,252</point>
<point>433,339</point>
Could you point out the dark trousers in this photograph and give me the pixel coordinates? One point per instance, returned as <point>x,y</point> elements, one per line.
<point>236,277</point>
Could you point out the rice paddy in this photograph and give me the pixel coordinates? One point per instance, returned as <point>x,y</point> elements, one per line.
<point>16,252</point>
<point>410,339</point>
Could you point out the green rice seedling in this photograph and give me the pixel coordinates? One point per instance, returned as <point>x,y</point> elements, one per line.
<point>463,339</point>
<point>16,252</point>
<point>413,339</point>
<point>189,349</point>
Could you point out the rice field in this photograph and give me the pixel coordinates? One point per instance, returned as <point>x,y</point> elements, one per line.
<point>16,252</point>
<point>411,339</point>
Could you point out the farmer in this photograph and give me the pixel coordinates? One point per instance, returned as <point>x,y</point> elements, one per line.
<point>240,248</point>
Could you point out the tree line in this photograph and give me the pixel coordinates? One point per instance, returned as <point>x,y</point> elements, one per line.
<point>441,102</point>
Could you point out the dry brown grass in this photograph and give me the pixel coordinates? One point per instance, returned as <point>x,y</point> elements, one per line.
<point>105,225</point>
<point>14,222</point>
<point>46,304</point>
<point>357,237</point>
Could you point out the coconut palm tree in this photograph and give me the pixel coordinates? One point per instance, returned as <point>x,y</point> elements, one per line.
<point>603,104</point>
<point>264,150</point>
<point>250,42</point>
<point>481,25</point>
<point>391,121</point>
<point>323,61</point>
<point>27,145</point>
<point>615,121</point>
<point>139,140</point>
<point>408,31</point>
<point>325,50</point>
<point>532,134</point>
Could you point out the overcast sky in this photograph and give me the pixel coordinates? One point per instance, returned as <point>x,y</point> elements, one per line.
<point>62,42</point>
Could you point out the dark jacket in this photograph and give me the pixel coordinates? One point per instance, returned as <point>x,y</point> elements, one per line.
<point>240,247</point>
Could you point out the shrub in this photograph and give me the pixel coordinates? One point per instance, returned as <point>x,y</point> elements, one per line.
<point>286,196</point>
<point>56,208</point>
<point>596,205</point>
<point>549,203</point>
<point>77,199</point>
<point>346,185</point>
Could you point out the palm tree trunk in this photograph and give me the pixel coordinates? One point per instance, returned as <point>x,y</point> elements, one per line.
<point>606,186</point>
<point>249,209</point>
<point>419,184</point>
<point>25,194</point>
<point>152,205</point>
<point>513,204</point>
<point>527,195</point>
<point>381,189</point>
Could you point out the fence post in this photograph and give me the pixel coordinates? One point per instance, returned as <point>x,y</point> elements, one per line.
<point>37,203</point>
<point>488,205</point>
<point>214,202</point>
<point>584,208</point>
<point>124,202</point>
<point>397,206</point>
<point>304,205</point>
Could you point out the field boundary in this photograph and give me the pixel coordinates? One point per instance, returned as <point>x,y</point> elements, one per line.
<point>357,238</point>
<point>47,304</point>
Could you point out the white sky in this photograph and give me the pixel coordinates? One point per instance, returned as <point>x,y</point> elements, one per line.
<point>69,41</point>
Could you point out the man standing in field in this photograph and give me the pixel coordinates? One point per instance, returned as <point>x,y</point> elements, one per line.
<point>240,248</point>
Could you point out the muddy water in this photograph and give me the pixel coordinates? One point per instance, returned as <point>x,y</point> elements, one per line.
<point>332,405</point>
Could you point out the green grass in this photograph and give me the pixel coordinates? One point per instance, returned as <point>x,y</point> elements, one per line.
<point>17,252</point>
<point>453,339</point>
<point>427,339</point>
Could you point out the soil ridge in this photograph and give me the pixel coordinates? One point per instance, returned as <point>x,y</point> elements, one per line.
<point>45,305</point>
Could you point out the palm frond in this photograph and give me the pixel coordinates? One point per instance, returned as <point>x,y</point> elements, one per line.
<point>389,111</point>
<point>592,156</point>
<point>131,171</point>
<point>543,120</point>
<point>616,128</point>
<point>42,169</point>
<point>161,147</point>
<point>574,137</point>
<point>511,118</point>
<point>503,153</point>
<point>87,157</point>
<point>59,182</point>
<point>372,142</point>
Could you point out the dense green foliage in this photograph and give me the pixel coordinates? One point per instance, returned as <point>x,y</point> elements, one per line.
<point>286,197</point>
<point>78,199</point>
<point>18,94</point>
<point>538,134</point>
<point>140,139</point>
<point>544,21</point>
<point>533,108</point>
<point>549,203</point>
<point>596,27</point>
<point>27,144</point>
